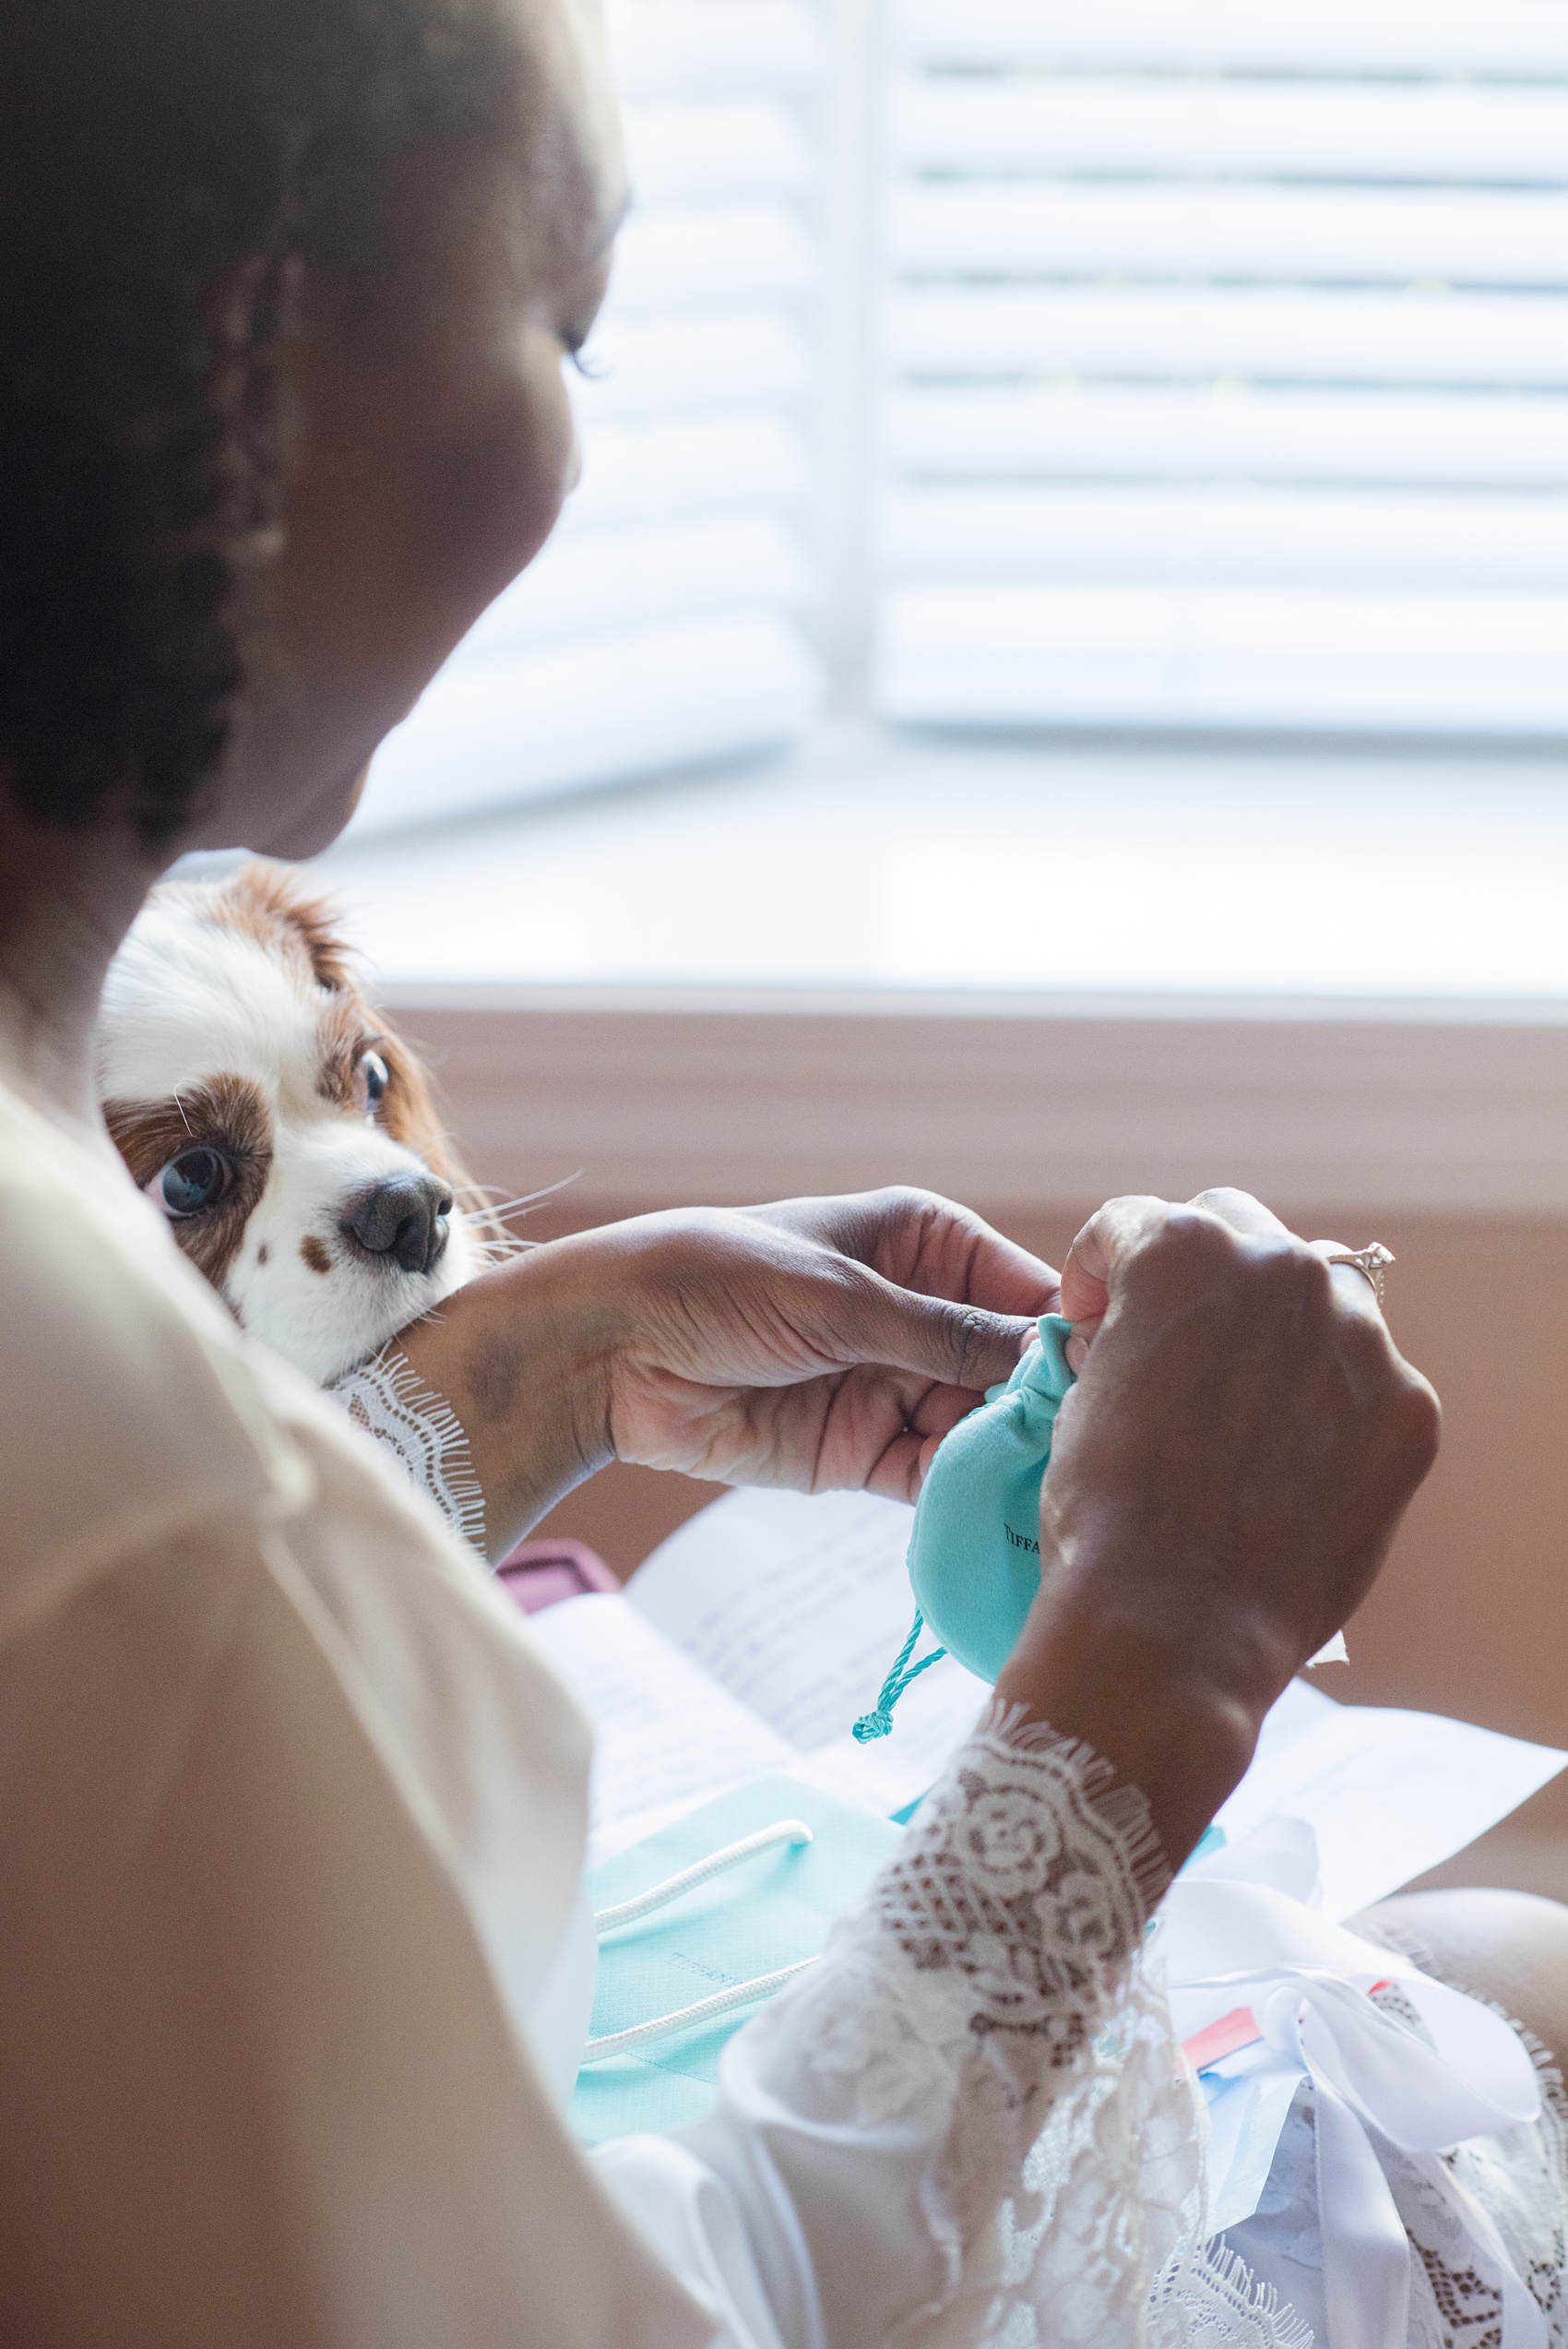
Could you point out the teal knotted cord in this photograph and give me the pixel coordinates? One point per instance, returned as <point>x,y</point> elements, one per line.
<point>878,1723</point>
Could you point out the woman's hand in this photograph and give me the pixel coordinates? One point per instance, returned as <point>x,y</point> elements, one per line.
<point>1224,1483</point>
<point>818,1343</point>
<point>815,1344</point>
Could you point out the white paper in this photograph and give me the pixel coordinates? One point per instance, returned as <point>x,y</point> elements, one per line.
<point>1246,2120</point>
<point>754,1637</point>
<point>1388,1794</point>
<point>665,1736</point>
<point>799,1606</point>
<point>1300,1708</point>
<point>931,1722</point>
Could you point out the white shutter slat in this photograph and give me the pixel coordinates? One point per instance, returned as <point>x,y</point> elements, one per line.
<point>1472,237</point>
<point>1226,365</point>
<point>1211,536</point>
<point>1505,38</point>
<point>683,154</point>
<point>690,49</point>
<point>1224,431</point>
<point>667,622</point>
<point>684,464</point>
<point>570,714</point>
<point>710,254</point>
<point>589,581</point>
<point>1422,130</point>
<point>1280,335</point>
<point>676,361</point>
<point>1405,662</point>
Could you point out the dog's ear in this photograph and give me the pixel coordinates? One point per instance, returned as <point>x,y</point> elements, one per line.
<point>269,904</point>
<point>411,1113</point>
<point>408,1108</point>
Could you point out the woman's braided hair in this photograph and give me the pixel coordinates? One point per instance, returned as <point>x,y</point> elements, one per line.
<point>166,166</point>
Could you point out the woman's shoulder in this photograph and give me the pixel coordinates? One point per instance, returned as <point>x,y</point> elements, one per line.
<point>126,1404</point>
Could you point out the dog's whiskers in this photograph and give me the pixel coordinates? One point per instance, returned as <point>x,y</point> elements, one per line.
<point>528,1198</point>
<point>502,1251</point>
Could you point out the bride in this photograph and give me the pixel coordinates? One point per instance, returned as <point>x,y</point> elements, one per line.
<point>295,1959</point>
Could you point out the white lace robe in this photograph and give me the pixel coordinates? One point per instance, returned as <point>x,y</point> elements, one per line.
<point>969,2123</point>
<point>296,1959</point>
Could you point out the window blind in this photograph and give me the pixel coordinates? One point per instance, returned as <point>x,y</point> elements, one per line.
<point>666,621</point>
<point>1223,372</point>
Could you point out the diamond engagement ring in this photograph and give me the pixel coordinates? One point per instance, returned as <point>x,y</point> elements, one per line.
<point>1372,1261</point>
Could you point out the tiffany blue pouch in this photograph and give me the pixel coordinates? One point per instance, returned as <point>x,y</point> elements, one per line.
<point>974,1549</point>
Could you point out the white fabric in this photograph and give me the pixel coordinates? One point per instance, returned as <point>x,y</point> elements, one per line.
<point>1227,1944</point>
<point>1518,2184</point>
<point>295,1961</point>
<point>387,1398</point>
<point>988,2009</point>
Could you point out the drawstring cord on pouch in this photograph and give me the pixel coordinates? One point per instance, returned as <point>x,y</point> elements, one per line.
<point>879,1720</point>
<point>793,1831</point>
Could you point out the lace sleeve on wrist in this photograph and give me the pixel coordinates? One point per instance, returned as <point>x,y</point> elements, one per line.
<point>387,1398</point>
<point>998,1967</point>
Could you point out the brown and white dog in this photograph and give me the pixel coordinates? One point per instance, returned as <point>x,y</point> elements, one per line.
<point>288,1135</point>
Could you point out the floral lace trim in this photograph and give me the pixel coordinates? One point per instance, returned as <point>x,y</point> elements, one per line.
<point>389,1401</point>
<point>1037,1904</point>
<point>993,1989</point>
<point>1522,2179</point>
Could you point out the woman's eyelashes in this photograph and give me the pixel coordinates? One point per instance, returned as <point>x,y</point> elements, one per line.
<point>572,352</point>
<point>191,1184</point>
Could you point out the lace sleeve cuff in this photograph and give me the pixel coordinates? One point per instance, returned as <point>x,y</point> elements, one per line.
<point>1027,1879</point>
<point>420,1428</point>
<point>989,2005</point>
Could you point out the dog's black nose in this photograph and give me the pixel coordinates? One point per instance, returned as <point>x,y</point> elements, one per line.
<point>404,1218</point>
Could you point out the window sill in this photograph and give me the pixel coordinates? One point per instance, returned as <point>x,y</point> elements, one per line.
<point>866,863</point>
<point>1020,976</point>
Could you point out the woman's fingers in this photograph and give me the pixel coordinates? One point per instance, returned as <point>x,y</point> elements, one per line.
<point>873,1320</point>
<point>1111,1238</point>
<point>923,1242</point>
<point>1105,1242</point>
<point>759,1347</point>
<point>909,1281</point>
<point>1356,1287</point>
<point>1244,1213</point>
<point>1243,1415</point>
<point>1224,1480</point>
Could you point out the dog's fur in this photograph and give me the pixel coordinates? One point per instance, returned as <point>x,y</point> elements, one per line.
<point>231,1025</point>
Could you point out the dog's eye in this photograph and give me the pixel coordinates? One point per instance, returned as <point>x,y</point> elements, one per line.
<point>370,1081</point>
<point>190,1183</point>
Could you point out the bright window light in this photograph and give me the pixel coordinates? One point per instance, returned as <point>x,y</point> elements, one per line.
<point>1167,364</point>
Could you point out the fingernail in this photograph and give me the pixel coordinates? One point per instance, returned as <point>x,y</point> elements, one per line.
<point>1077,1352</point>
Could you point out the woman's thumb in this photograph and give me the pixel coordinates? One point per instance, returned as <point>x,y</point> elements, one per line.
<point>958,1345</point>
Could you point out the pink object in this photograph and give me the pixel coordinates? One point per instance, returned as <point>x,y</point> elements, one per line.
<point>1237,2029</point>
<point>538,1574</point>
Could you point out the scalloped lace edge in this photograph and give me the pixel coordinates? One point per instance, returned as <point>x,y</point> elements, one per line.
<point>389,1399</point>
